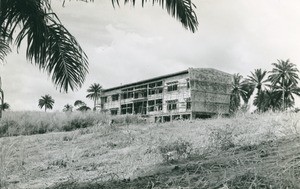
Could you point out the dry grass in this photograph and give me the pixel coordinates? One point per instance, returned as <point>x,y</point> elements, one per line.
<point>248,151</point>
<point>30,123</point>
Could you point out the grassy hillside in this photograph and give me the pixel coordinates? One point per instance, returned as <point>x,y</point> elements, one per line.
<point>248,151</point>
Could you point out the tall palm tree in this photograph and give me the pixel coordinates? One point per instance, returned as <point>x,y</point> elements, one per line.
<point>46,102</point>
<point>282,73</point>
<point>94,93</point>
<point>236,92</point>
<point>68,108</point>
<point>4,106</point>
<point>1,97</point>
<point>51,46</point>
<point>289,89</point>
<point>247,90</point>
<point>257,78</point>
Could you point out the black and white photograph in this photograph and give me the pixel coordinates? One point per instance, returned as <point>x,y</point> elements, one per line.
<point>149,94</point>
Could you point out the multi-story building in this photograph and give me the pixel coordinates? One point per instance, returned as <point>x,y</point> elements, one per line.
<point>192,93</point>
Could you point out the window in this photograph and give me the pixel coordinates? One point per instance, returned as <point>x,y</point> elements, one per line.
<point>188,103</point>
<point>140,91</point>
<point>114,111</point>
<point>158,104</point>
<point>126,109</point>
<point>188,83</point>
<point>127,93</point>
<point>172,86</point>
<point>115,97</point>
<point>151,104</point>
<point>155,88</point>
<point>172,104</point>
<point>104,99</point>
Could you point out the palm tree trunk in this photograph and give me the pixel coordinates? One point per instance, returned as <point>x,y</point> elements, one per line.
<point>45,108</point>
<point>2,102</point>
<point>283,91</point>
<point>95,104</point>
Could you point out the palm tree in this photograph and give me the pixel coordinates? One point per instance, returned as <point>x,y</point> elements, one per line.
<point>51,46</point>
<point>46,102</point>
<point>283,73</point>
<point>257,78</point>
<point>289,89</point>
<point>267,100</point>
<point>94,93</point>
<point>4,106</point>
<point>68,108</point>
<point>236,92</point>
<point>81,106</point>
<point>247,89</point>
<point>1,97</point>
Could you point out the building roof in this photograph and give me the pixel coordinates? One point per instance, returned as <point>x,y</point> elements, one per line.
<point>146,80</point>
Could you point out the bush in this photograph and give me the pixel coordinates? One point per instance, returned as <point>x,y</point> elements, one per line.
<point>222,138</point>
<point>4,126</point>
<point>177,150</point>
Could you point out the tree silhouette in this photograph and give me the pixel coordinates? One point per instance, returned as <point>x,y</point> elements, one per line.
<point>46,102</point>
<point>94,93</point>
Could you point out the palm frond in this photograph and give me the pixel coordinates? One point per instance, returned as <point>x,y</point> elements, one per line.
<point>49,44</point>
<point>182,10</point>
<point>4,49</point>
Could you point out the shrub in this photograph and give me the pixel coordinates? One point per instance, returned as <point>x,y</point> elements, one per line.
<point>222,138</point>
<point>177,150</point>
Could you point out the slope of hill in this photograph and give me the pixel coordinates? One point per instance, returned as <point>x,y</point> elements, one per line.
<point>248,151</point>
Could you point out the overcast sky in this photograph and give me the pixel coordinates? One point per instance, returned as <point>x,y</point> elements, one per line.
<point>128,44</point>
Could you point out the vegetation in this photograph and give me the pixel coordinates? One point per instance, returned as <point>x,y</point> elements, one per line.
<point>245,151</point>
<point>284,78</point>
<point>47,102</point>
<point>4,106</point>
<point>68,108</point>
<point>30,123</point>
<point>1,95</point>
<point>81,106</point>
<point>49,44</point>
<point>94,93</point>
<point>275,92</point>
<point>182,10</point>
<point>240,89</point>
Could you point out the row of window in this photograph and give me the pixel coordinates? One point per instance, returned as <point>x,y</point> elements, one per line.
<point>153,105</point>
<point>142,93</point>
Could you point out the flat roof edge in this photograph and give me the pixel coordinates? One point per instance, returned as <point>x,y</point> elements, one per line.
<point>146,80</point>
